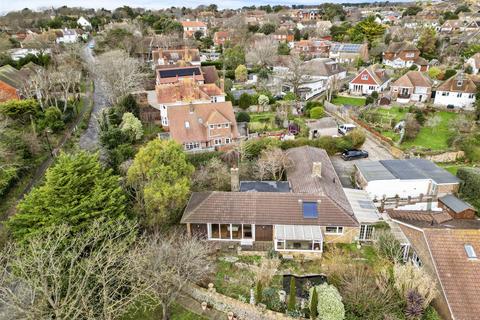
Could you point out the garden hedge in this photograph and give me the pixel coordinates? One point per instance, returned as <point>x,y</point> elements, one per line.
<point>470,187</point>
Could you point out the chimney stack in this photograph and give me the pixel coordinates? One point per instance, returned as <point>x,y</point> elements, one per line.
<point>317,169</point>
<point>235,179</point>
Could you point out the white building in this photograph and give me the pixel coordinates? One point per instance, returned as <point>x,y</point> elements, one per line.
<point>67,36</point>
<point>474,62</point>
<point>456,92</point>
<point>84,23</point>
<point>404,178</point>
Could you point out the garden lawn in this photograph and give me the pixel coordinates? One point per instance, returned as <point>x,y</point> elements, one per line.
<point>433,138</point>
<point>395,113</point>
<point>352,101</point>
<point>265,117</point>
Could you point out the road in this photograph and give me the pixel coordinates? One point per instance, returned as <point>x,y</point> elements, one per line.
<point>345,169</point>
<point>90,138</point>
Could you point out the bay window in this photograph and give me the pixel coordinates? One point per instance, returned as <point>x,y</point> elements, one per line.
<point>227,231</point>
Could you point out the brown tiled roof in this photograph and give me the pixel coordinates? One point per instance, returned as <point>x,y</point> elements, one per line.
<point>434,218</point>
<point>324,67</point>
<point>302,181</point>
<point>459,276</point>
<point>187,55</point>
<point>193,24</point>
<point>210,74</point>
<point>197,120</point>
<point>264,208</point>
<point>413,79</point>
<point>451,85</point>
<point>397,47</point>
<point>186,90</point>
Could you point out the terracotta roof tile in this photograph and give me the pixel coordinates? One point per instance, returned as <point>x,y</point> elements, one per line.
<point>413,79</point>
<point>192,24</point>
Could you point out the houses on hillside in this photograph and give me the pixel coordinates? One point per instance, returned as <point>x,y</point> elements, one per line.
<point>192,27</point>
<point>457,92</point>
<point>412,87</point>
<point>404,55</point>
<point>370,79</point>
<point>315,211</point>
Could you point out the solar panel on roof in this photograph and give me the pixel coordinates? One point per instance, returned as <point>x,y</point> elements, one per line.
<point>310,210</point>
<point>179,72</point>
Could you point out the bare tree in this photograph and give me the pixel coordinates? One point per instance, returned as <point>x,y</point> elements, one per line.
<point>42,85</point>
<point>171,262</point>
<point>68,78</point>
<point>296,75</point>
<point>119,73</point>
<point>272,164</point>
<point>88,276</point>
<point>263,52</point>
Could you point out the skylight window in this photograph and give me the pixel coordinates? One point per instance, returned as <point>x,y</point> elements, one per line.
<point>310,210</point>
<point>471,254</point>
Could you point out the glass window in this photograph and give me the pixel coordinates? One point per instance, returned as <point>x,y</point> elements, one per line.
<point>215,231</point>
<point>247,231</point>
<point>212,126</point>
<point>218,142</point>
<point>227,140</point>
<point>224,231</point>
<point>219,126</point>
<point>334,230</point>
<point>236,231</point>
<point>226,125</point>
<point>364,76</point>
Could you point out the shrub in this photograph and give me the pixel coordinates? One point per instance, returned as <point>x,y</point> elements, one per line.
<point>434,72</point>
<point>199,159</point>
<point>272,300</point>
<point>388,246</point>
<point>259,292</point>
<point>244,101</point>
<point>317,113</point>
<point>412,128</point>
<point>330,305</point>
<point>369,100</point>
<point>414,308</point>
<point>449,73</point>
<point>241,73</point>
<point>131,126</point>
<point>431,314</point>
<point>408,277</point>
<point>129,104</point>
<point>357,137</point>
<point>243,117</point>
<point>313,303</point>
<point>310,105</point>
<point>470,187</point>
<point>52,119</point>
<point>374,95</point>
<point>420,116</point>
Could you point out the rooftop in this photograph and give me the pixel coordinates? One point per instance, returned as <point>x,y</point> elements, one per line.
<point>455,204</point>
<point>264,186</point>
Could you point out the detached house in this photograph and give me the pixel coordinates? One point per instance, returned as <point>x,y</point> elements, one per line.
<point>315,211</point>
<point>320,74</point>
<point>220,37</point>
<point>413,86</point>
<point>203,126</point>
<point>474,62</point>
<point>368,80</point>
<point>456,92</point>
<point>404,55</point>
<point>67,36</point>
<point>191,27</point>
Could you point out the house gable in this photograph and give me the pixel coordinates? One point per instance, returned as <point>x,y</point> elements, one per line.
<point>364,77</point>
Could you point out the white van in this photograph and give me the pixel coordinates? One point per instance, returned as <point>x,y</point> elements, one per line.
<point>345,128</point>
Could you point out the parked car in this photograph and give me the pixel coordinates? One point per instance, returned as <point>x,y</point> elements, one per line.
<point>91,45</point>
<point>354,154</point>
<point>345,128</point>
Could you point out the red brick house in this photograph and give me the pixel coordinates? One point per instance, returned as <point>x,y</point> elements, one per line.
<point>368,80</point>
<point>220,37</point>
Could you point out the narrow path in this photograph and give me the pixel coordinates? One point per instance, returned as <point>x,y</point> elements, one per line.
<point>194,306</point>
<point>90,138</point>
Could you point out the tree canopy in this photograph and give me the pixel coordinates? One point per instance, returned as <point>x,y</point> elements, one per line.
<point>160,175</point>
<point>77,191</point>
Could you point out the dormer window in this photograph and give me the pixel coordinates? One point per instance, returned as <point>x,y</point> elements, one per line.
<point>471,254</point>
<point>459,83</point>
<point>410,55</point>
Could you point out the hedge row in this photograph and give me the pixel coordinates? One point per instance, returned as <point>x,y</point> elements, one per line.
<point>470,187</point>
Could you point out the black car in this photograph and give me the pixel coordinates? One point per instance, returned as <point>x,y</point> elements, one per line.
<point>354,154</point>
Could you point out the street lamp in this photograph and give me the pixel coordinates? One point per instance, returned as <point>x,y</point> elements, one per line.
<point>47,131</point>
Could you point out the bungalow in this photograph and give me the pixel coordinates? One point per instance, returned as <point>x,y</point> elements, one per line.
<point>368,80</point>
<point>404,55</point>
<point>203,126</point>
<point>316,210</point>
<point>191,27</point>
<point>473,26</point>
<point>474,62</point>
<point>456,92</point>
<point>179,57</point>
<point>348,52</point>
<point>448,250</point>
<point>451,26</point>
<point>409,178</point>
<point>413,86</point>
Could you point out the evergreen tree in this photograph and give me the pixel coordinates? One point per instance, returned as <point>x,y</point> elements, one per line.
<point>314,304</point>
<point>77,191</point>
<point>292,296</point>
<point>259,292</point>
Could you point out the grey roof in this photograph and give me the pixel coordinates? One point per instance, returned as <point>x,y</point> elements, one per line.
<point>264,186</point>
<point>323,67</point>
<point>363,207</point>
<point>346,47</point>
<point>409,169</point>
<point>374,170</point>
<point>456,204</point>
